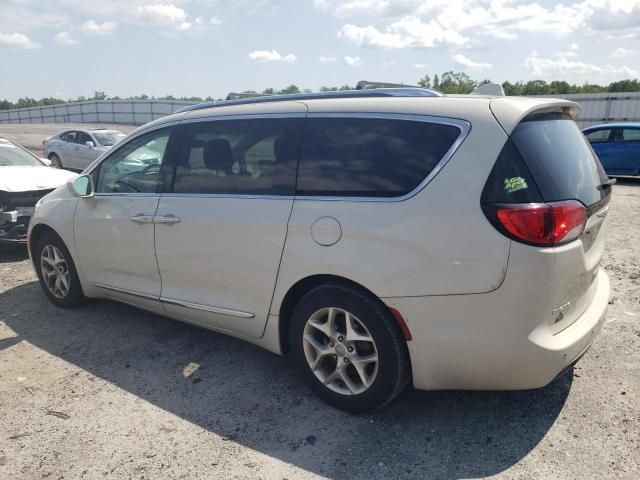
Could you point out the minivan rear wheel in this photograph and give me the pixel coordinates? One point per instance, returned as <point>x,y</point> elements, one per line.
<point>349,348</point>
<point>57,272</point>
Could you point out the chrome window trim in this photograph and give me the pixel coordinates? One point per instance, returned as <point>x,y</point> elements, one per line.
<point>463,125</point>
<point>208,308</point>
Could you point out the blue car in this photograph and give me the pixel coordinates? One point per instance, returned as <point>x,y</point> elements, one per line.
<point>617,146</point>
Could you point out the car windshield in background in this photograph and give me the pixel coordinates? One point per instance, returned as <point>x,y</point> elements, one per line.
<point>13,156</point>
<point>108,139</point>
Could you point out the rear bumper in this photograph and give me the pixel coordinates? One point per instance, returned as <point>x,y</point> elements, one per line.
<point>490,342</point>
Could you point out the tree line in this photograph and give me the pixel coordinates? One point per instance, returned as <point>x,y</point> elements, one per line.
<point>447,82</point>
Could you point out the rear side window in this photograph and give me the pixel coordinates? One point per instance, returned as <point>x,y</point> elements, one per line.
<point>560,164</point>
<point>369,156</point>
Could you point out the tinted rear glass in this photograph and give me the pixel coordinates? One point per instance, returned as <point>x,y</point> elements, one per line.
<point>560,159</point>
<point>369,157</point>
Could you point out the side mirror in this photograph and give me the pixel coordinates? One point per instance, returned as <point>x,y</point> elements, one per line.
<point>89,144</point>
<point>82,186</point>
<point>46,161</point>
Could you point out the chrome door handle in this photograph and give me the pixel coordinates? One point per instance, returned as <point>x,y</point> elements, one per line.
<point>167,219</point>
<point>141,218</point>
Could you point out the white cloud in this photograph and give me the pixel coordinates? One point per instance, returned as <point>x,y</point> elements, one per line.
<point>17,40</point>
<point>91,27</point>
<point>470,64</point>
<point>408,32</point>
<point>374,8</point>
<point>421,65</point>
<point>426,23</point>
<point>327,59</point>
<point>548,67</point>
<point>64,38</point>
<point>621,53</point>
<point>271,56</point>
<point>388,64</point>
<point>160,14</point>
<point>574,46</point>
<point>353,61</point>
<point>215,20</point>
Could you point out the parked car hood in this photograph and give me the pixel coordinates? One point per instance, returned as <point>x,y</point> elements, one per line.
<point>28,178</point>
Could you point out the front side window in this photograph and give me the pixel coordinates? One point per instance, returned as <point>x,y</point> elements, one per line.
<point>246,157</point>
<point>370,156</point>
<point>599,136</point>
<point>82,138</point>
<point>134,167</point>
<point>631,134</point>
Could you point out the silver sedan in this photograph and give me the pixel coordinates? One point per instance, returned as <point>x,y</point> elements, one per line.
<point>76,149</point>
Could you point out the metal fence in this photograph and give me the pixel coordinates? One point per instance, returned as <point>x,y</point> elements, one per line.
<point>128,112</point>
<point>596,108</point>
<point>606,107</point>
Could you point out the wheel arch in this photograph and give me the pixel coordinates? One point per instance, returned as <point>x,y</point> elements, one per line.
<point>37,232</point>
<point>305,285</point>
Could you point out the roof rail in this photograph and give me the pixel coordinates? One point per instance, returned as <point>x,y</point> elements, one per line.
<point>363,93</point>
<point>237,96</point>
<point>366,85</point>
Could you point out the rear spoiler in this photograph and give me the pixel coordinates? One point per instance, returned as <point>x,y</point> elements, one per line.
<point>510,111</point>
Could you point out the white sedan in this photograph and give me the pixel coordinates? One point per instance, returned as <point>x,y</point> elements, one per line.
<point>76,149</point>
<point>24,179</point>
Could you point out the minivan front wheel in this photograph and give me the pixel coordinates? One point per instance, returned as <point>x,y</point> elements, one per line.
<point>349,348</point>
<point>57,272</point>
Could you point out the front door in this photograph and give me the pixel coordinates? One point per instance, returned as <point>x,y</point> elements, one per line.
<point>114,230</point>
<point>220,232</point>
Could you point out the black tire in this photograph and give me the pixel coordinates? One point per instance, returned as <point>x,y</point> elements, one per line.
<point>74,295</point>
<point>393,370</point>
<point>56,162</point>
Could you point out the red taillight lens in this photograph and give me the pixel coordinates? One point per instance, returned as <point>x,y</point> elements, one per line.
<point>543,224</point>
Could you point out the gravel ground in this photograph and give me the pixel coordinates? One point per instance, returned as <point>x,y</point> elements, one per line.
<point>33,136</point>
<point>107,391</point>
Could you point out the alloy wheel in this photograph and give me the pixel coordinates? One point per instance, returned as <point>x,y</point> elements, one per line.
<point>55,271</point>
<point>55,161</point>
<point>340,351</point>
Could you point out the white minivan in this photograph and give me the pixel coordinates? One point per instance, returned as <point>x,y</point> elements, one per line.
<point>378,237</point>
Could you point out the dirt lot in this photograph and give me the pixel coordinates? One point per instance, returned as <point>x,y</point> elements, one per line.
<point>33,136</point>
<point>101,392</point>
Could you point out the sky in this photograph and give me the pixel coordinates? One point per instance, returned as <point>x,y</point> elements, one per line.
<point>68,48</point>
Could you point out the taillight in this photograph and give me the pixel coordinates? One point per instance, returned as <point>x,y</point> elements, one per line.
<point>540,224</point>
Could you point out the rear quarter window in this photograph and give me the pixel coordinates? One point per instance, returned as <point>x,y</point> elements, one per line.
<point>370,157</point>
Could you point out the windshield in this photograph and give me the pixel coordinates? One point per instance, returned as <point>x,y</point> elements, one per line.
<point>13,156</point>
<point>108,139</point>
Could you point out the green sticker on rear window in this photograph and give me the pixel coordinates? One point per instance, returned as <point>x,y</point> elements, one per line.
<point>514,184</point>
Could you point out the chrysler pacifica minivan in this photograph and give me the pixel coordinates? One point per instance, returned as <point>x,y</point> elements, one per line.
<point>380,238</point>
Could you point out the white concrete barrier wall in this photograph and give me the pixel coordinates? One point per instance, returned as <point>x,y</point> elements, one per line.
<point>596,108</point>
<point>129,112</point>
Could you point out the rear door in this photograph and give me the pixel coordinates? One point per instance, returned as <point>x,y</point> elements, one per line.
<point>629,151</point>
<point>67,149</point>
<point>221,229</point>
